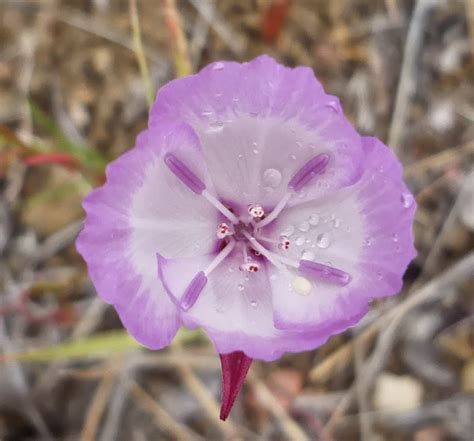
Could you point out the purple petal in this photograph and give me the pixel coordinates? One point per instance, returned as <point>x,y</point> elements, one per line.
<point>234,370</point>
<point>363,231</point>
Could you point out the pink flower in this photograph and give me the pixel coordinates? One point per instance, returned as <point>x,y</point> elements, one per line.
<point>250,207</point>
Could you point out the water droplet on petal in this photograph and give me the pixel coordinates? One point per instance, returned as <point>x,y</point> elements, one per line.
<point>323,240</point>
<point>240,287</point>
<point>304,226</point>
<point>407,200</point>
<point>292,156</point>
<point>299,144</point>
<point>307,255</point>
<point>241,156</point>
<point>311,145</point>
<point>253,303</point>
<point>334,106</point>
<point>299,240</point>
<point>368,242</point>
<point>272,177</point>
<point>216,126</point>
<point>218,66</point>
<point>337,223</point>
<point>301,285</point>
<point>255,151</point>
<point>289,230</point>
<point>395,237</point>
<point>379,275</point>
<point>314,220</point>
<point>207,113</point>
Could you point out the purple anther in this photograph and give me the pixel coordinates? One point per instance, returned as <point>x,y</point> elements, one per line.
<point>182,172</point>
<point>193,290</point>
<point>327,273</point>
<point>313,167</point>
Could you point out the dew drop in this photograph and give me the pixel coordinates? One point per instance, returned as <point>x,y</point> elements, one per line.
<point>216,126</point>
<point>292,156</point>
<point>207,113</point>
<point>407,200</point>
<point>231,269</point>
<point>289,230</point>
<point>368,242</point>
<point>314,220</point>
<point>323,240</point>
<point>337,223</point>
<point>299,144</point>
<point>255,151</point>
<point>379,275</point>
<point>395,237</point>
<point>334,106</point>
<point>272,177</point>
<point>312,146</point>
<point>218,66</point>
<point>301,286</point>
<point>304,226</point>
<point>307,255</point>
<point>241,156</point>
<point>240,287</point>
<point>253,303</point>
<point>299,240</point>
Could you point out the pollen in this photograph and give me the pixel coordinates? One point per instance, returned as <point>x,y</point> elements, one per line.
<point>256,211</point>
<point>301,285</point>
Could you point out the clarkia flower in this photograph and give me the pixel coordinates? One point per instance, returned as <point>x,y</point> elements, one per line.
<point>251,208</point>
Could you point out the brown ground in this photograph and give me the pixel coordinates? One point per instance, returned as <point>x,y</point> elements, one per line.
<point>69,81</point>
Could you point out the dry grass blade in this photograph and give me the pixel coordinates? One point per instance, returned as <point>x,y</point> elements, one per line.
<point>407,82</point>
<point>97,407</point>
<point>292,430</point>
<point>441,159</point>
<point>178,39</point>
<point>140,53</point>
<point>163,419</point>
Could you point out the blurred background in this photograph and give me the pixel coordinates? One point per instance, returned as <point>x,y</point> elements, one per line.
<point>75,77</point>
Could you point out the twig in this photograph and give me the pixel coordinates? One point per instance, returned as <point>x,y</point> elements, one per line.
<point>178,39</point>
<point>163,419</point>
<point>361,388</point>
<point>391,322</point>
<point>440,159</point>
<point>233,40</point>
<point>292,430</point>
<point>96,409</point>
<point>140,53</point>
<point>407,82</point>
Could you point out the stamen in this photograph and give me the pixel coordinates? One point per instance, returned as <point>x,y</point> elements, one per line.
<point>220,257</point>
<point>276,211</point>
<point>313,167</point>
<point>223,230</point>
<point>256,211</point>
<point>273,258</point>
<point>328,273</point>
<point>182,172</point>
<point>284,243</point>
<point>194,289</point>
<point>220,206</point>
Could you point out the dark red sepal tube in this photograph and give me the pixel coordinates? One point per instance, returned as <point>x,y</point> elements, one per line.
<point>235,366</point>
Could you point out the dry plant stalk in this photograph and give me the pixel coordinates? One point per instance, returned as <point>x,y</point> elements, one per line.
<point>140,53</point>
<point>178,39</point>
